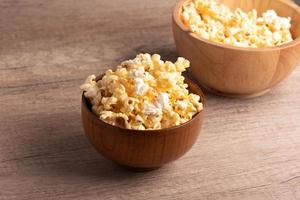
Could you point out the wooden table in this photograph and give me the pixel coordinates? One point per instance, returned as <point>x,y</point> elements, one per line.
<point>249,149</point>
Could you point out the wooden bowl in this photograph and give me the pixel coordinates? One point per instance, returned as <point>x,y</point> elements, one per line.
<point>235,71</point>
<point>141,150</point>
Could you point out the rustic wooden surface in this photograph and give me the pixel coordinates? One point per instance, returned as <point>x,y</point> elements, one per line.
<point>249,149</point>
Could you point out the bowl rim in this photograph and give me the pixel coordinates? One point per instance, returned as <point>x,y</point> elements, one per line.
<point>177,19</point>
<point>84,102</point>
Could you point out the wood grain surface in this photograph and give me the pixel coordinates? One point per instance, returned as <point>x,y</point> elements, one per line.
<point>248,149</point>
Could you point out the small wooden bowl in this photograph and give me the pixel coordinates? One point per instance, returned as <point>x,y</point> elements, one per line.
<point>141,150</point>
<point>235,71</point>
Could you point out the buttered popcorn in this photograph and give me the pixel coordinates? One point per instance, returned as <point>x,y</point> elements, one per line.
<point>143,93</point>
<point>216,22</point>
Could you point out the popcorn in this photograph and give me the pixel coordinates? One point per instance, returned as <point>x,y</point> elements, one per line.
<point>163,101</point>
<point>218,23</point>
<point>151,109</point>
<point>140,86</point>
<point>143,93</point>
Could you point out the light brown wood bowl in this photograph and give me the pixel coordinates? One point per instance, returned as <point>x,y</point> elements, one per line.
<point>235,71</point>
<point>141,150</point>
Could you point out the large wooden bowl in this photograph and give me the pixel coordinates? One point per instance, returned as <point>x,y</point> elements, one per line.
<point>141,150</point>
<point>235,71</point>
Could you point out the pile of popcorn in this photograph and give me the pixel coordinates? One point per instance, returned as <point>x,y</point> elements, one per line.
<point>216,22</point>
<point>143,93</point>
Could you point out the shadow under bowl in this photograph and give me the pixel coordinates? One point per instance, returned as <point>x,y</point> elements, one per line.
<point>236,71</point>
<point>141,150</point>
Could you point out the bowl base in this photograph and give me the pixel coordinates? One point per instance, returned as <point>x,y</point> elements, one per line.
<point>140,169</point>
<point>240,96</point>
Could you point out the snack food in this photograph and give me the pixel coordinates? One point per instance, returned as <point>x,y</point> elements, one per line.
<point>216,22</point>
<point>143,93</point>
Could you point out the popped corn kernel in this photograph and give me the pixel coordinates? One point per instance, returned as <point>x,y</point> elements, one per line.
<point>143,93</point>
<point>217,23</point>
